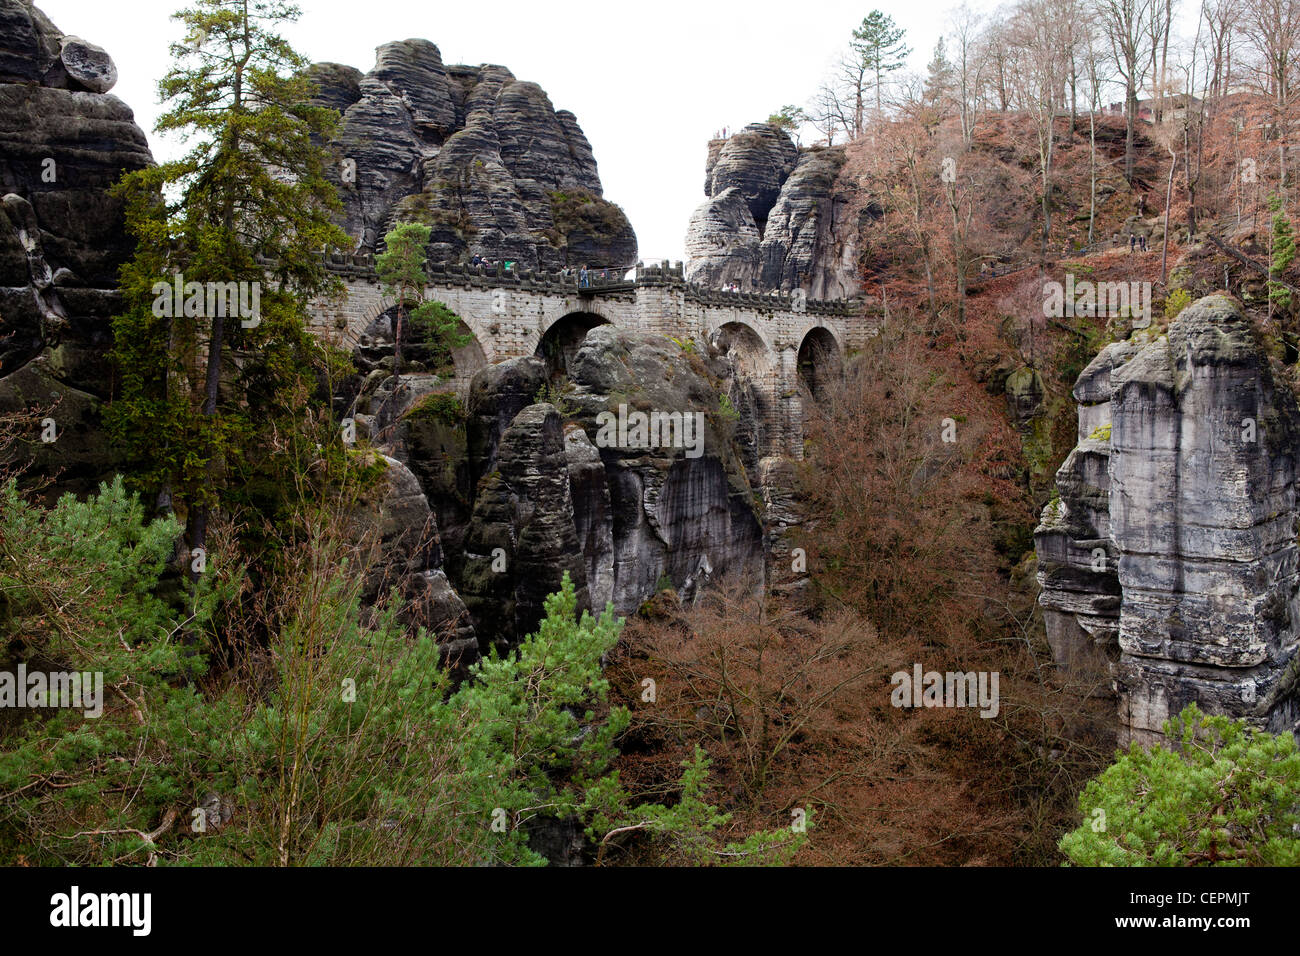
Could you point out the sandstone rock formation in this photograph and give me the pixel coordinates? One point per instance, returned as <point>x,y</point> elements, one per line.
<point>64,141</point>
<point>777,217</point>
<point>1173,544</point>
<point>408,556</point>
<point>480,156</point>
<point>546,495</point>
<point>522,538</point>
<point>687,518</point>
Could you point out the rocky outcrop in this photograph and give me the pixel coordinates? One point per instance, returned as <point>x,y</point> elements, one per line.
<point>777,217</point>
<point>756,163</point>
<point>723,242</point>
<point>522,538</point>
<point>554,492</point>
<point>810,240</point>
<point>673,516</point>
<point>481,157</point>
<point>64,141</point>
<point>408,556</point>
<point>1077,560</point>
<point>1180,505</point>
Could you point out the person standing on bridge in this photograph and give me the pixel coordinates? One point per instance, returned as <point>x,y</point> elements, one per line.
<point>584,278</point>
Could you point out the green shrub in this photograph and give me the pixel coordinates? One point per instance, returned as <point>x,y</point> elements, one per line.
<point>333,738</point>
<point>1175,302</point>
<point>1229,795</point>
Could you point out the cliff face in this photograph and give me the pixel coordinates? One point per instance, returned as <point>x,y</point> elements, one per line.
<point>777,217</point>
<point>544,493</point>
<point>64,141</point>
<point>1173,545</point>
<point>480,156</point>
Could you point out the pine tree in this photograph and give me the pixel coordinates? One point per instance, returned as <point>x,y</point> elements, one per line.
<point>1221,794</point>
<point>400,268</point>
<point>938,79</point>
<point>541,741</point>
<point>246,209</point>
<point>879,47</point>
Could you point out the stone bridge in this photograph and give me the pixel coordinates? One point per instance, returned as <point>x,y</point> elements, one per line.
<point>775,341</point>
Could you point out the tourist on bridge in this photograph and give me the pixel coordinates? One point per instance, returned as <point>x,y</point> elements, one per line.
<point>584,278</point>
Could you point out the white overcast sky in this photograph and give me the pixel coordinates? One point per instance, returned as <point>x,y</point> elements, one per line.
<point>649,82</point>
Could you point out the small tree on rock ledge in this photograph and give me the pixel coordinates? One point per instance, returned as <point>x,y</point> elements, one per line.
<point>401,270</point>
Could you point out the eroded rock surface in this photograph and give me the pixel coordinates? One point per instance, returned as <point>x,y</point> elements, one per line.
<point>777,217</point>
<point>483,158</point>
<point>552,494</point>
<point>1173,542</point>
<point>64,142</point>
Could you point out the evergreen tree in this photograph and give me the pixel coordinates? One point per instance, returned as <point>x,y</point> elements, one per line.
<point>939,75</point>
<point>245,214</point>
<point>541,742</point>
<point>788,118</point>
<point>879,48</point>
<point>1283,254</point>
<point>401,272</point>
<point>1221,794</point>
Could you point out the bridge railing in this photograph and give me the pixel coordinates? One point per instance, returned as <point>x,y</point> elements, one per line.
<point>652,275</point>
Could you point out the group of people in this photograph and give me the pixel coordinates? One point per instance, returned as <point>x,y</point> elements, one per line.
<point>489,263</point>
<point>722,133</point>
<point>1140,242</point>
<point>585,275</point>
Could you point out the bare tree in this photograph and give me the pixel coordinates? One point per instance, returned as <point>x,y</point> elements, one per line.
<point>1096,64</point>
<point>1040,36</point>
<point>1271,29</point>
<point>829,114</point>
<point>994,51</point>
<point>968,67</point>
<point>1123,21</point>
<point>1222,22</point>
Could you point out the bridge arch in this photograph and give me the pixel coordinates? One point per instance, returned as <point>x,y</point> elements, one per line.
<point>820,360</point>
<point>746,346</point>
<point>750,389</point>
<point>562,339</point>
<point>466,359</point>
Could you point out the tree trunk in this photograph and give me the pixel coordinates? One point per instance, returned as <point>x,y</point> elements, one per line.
<point>1169,195</point>
<point>1131,105</point>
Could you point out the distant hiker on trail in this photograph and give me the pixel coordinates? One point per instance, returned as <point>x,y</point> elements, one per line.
<point>1132,241</point>
<point>1142,243</point>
